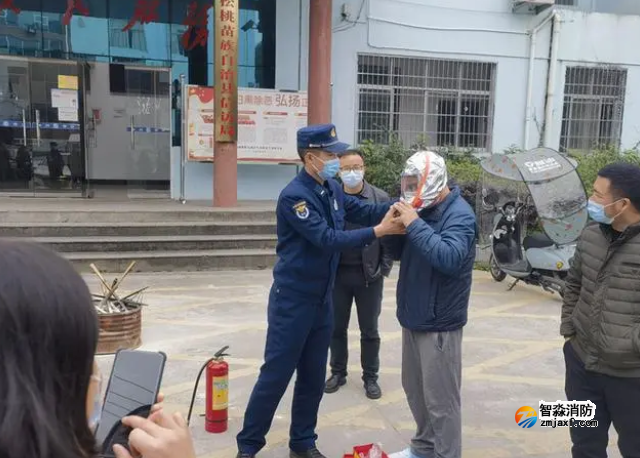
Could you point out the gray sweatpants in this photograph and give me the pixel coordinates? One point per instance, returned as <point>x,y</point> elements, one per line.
<point>431,378</point>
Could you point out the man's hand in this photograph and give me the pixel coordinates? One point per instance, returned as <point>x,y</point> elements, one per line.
<point>390,225</point>
<point>407,213</point>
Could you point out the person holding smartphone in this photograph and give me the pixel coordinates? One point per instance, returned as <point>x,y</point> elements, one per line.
<point>50,384</point>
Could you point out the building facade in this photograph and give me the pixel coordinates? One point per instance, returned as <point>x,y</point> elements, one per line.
<point>89,89</point>
<point>481,74</point>
<point>488,75</point>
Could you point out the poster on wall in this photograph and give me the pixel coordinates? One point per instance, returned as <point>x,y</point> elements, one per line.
<point>200,120</point>
<point>267,124</point>
<point>68,82</point>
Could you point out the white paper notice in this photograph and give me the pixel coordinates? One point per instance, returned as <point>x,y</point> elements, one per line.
<point>63,98</point>
<point>68,114</point>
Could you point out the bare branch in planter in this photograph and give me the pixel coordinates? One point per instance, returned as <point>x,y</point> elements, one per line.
<point>109,302</point>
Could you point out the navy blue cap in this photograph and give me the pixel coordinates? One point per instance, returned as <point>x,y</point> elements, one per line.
<point>322,137</point>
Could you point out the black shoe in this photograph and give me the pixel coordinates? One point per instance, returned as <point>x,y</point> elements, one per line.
<point>311,453</point>
<point>334,383</point>
<point>372,389</point>
<point>244,455</point>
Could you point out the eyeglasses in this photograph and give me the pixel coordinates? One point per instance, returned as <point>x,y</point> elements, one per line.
<point>355,168</point>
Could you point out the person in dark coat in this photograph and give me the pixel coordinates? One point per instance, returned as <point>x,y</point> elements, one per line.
<point>601,316</point>
<point>361,278</point>
<point>434,287</point>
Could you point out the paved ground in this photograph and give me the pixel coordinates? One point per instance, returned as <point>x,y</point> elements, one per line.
<point>512,357</point>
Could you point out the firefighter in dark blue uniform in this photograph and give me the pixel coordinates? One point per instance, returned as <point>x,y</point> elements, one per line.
<point>311,214</point>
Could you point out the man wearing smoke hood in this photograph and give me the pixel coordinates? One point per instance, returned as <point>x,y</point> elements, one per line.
<point>436,263</point>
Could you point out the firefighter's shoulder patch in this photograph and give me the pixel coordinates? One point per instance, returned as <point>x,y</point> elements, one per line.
<point>301,210</point>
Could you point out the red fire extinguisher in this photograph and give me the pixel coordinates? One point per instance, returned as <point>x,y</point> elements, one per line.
<point>217,395</point>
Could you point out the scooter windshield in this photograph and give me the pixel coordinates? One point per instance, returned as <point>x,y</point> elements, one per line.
<point>561,206</point>
<point>555,186</point>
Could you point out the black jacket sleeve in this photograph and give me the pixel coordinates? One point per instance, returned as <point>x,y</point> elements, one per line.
<point>572,287</point>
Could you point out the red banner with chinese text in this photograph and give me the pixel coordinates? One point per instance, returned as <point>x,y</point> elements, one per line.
<point>226,70</point>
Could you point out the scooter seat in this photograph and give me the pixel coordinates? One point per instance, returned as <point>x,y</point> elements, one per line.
<point>537,241</point>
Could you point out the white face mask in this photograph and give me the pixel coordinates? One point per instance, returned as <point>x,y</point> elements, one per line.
<point>96,413</point>
<point>352,179</point>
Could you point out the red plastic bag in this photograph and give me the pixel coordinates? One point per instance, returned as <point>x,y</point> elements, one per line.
<point>367,451</point>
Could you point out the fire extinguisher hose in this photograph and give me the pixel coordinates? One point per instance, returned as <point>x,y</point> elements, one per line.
<point>195,388</point>
<point>221,353</point>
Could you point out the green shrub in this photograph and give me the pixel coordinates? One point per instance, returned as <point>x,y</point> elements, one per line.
<point>590,163</point>
<point>385,163</point>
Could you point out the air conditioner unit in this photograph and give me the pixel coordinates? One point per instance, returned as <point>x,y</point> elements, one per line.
<point>532,5</point>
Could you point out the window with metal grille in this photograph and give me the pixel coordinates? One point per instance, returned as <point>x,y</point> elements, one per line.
<point>593,108</point>
<point>439,102</point>
<point>566,2</point>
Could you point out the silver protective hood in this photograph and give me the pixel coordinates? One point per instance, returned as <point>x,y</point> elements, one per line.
<point>417,165</point>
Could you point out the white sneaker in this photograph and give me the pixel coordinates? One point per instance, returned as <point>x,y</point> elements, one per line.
<point>406,453</point>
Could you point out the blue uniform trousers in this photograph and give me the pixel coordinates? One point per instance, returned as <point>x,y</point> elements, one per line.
<point>298,337</point>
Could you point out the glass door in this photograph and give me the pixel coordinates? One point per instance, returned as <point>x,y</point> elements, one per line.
<point>40,138</point>
<point>54,134</point>
<point>16,166</point>
<point>148,98</point>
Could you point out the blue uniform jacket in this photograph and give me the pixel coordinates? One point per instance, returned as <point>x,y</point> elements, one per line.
<point>310,226</point>
<point>436,265</point>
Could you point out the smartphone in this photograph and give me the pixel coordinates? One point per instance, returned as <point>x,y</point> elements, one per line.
<point>134,383</point>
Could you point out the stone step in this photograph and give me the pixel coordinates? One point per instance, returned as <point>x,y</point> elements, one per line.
<point>174,261</point>
<point>98,229</point>
<point>158,243</point>
<point>129,215</point>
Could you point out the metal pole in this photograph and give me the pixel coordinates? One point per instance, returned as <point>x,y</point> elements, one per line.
<point>331,102</point>
<point>183,136</point>
<point>551,83</point>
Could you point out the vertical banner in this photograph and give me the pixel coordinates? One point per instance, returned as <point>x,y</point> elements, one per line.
<point>226,70</point>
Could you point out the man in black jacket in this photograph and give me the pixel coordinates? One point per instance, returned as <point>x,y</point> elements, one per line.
<point>361,277</point>
<point>601,316</point>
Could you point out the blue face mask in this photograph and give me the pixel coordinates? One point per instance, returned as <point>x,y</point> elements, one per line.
<point>597,213</point>
<point>352,179</point>
<point>330,169</point>
<point>96,414</point>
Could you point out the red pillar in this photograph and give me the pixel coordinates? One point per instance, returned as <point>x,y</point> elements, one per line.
<point>319,87</point>
<point>225,175</point>
<point>225,153</point>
